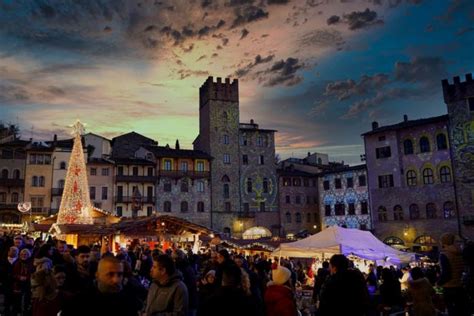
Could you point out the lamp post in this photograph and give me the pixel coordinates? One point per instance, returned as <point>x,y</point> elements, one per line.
<point>25,207</point>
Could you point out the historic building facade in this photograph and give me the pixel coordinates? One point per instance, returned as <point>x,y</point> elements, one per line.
<point>100,174</point>
<point>459,98</point>
<point>298,202</point>
<point>344,198</point>
<point>411,191</point>
<point>243,172</point>
<point>12,179</point>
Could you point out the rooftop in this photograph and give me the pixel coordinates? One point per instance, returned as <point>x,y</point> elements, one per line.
<point>164,151</point>
<point>406,124</point>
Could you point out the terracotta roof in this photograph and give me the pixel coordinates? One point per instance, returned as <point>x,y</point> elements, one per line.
<point>294,173</point>
<point>162,151</point>
<point>132,161</point>
<point>408,124</point>
<point>344,169</point>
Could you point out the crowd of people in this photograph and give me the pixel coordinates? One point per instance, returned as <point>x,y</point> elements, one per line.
<point>42,278</point>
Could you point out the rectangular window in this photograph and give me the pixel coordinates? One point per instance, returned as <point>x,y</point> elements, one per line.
<point>383,152</point>
<point>306,182</point>
<point>39,159</point>
<point>119,211</point>
<point>226,158</point>
<point>150,171</point>
<point>3,197</point>
<point>308,199</point>
<point>149,210</point>
<point>296,182</point>
<point>327,210</point>
<point>470,101</point>
<point>362,181</point>
<point>119,171</point>
<point>37,203</point>
<point>105,171</point>
<point>184,166</point>
<point>168,165</point>
<point>243,140</point>
<point>298,199</point>
<point>245,159</point>
<point>386,181</point>
<point>226,139</point>
<point>200,166</point>
<point>352,209</point>
<point>226,191</point>
<point>47,159</point>
<point>262,206</point>
<point>326,185</point>
<point>150,195</point>
<point>119,193</point>
<point>32,159</point>
<point>315,200</point>
<point>92,193</point>
<point>381,138</point>
<point>350,183</point>
<point>364,208</point>
<point>260,141</point>
<point>338,183</point>
<point>261,160</point>
<point>93,171</point>
<point>287,199</point>
<point>315,183</point>
<point>200,186</point>
<point>246,208</point>
<point>227,207</point>
<point>340,209</point>
<point>104,193</point>
<point>135,171</point>
<point>286,182</point>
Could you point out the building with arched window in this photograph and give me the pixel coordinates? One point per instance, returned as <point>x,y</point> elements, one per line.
<point>409,172</point>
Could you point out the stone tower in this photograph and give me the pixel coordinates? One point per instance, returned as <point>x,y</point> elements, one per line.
<point>459,98</point>
<point>219,137</point>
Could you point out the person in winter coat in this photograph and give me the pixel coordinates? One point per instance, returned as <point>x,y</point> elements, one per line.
<point>6,278</point>
<point>452,267</point>
<point>345,291</point>
<point>420,293</point>
<point>279,296</point>
<point>46,300</point>
<point>43,259</point>
<point>22,271</point>
<point>168,294</point>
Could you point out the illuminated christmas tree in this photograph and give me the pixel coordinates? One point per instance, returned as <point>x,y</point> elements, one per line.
<point>75,203</point>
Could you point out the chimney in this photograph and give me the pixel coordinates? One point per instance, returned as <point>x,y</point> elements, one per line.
<point>469,77</point>
<point>55,138</point>
<point>375,125</point>
<point>251,121</point>
<point>177,144</point>
<point>405,118</point>
<point>309,154</point>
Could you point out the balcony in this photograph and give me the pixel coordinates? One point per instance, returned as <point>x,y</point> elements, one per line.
<point>130,199</point>
<point>12,182</point>
<point>246,215</point>
<point>8,206</point>
<point>181,174</point>
<point>57,191</point>
<point>140,179</point>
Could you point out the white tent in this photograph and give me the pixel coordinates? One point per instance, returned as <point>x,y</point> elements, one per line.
<point>338,240</point>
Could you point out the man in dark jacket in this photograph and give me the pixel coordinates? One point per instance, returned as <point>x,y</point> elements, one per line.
<point>107,296</point>
<point>168,294</point>
<point>344,292</point>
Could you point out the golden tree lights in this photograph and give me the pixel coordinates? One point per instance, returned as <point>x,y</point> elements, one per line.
<point>75,203</point>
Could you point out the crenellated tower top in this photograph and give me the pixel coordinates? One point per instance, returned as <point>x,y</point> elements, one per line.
<point>219,91</point>
<point>458,90</point>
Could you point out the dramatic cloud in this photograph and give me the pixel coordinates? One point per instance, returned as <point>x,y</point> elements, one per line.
<point>333,19</point>
<point>345,89</point>
<point>426,70</point>
<point>360,19</point>
<point>242,72</point>
<point>248,14</point>
<point>322,38</point>
<point>283,72</point>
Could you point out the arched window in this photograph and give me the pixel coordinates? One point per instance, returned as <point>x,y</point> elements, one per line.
<point>448,210</point>
<point>382,214</point>
<point>441,141</point>
<point>34,181</point>
<point>425,240</point>
<point>445,174</point>
<point>265,185</point>
<point>430,210</point>
<point>408,147</point>
<point>62,165</point>
<point>398,213</point>
<point>16,174</point>
<point>200,207</point>
<point>298,217</point>
<point>414,211</point>
<point>424,145</point>
<point>14,197</point>
<point>184,185</point>
<point>4,174</point>
<point>249,185</point>
<point>41,181</point>
<point>226,191</point>
<point>428,176</point>
<point>392,240</point>
<point>411,178</point>
<point>288,217</point>
<point>167,207</point>
<point>184,207</point>
<point>225,178</point>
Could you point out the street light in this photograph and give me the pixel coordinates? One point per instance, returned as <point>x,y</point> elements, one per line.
<point>25,207</point>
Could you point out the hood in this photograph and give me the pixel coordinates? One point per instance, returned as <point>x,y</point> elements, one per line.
<point>275,292</point>
<point>175,277</point>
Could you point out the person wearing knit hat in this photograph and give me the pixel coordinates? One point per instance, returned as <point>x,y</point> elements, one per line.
<point>279,297</point>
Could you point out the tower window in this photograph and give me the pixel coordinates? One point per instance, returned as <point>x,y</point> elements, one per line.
<point>470,101</point>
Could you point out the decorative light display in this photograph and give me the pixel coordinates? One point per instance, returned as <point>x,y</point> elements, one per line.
<point>75,203</point>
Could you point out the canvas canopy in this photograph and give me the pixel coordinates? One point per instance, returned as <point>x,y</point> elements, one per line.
<point>338,240</point>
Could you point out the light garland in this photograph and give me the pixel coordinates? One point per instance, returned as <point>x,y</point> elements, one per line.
<point>75,202</point>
